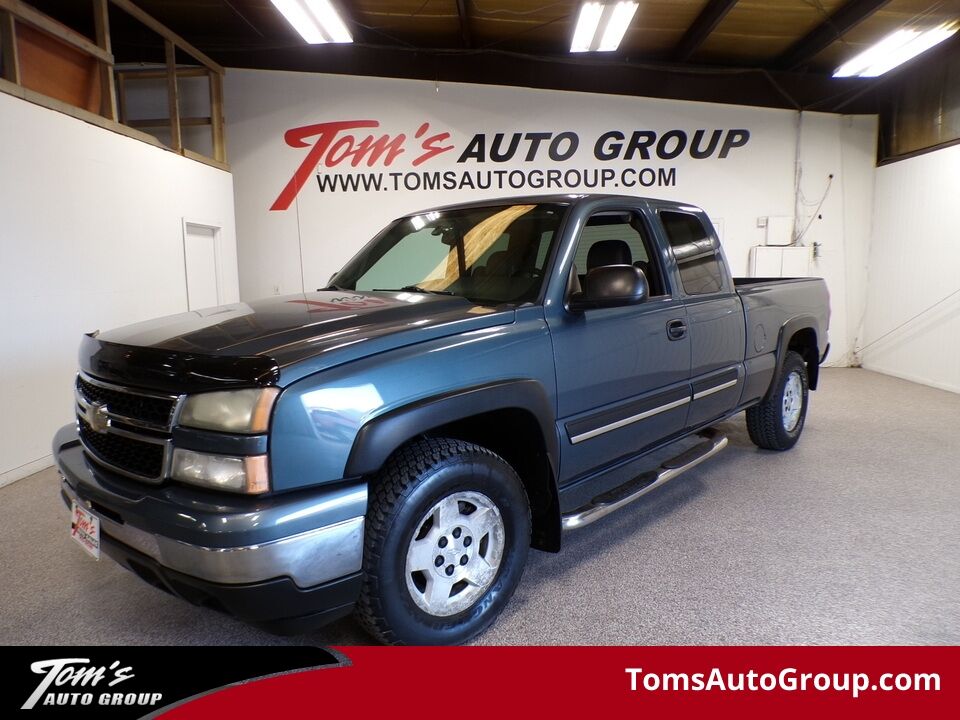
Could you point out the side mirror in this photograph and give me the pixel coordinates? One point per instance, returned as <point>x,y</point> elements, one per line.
<point>611,286</point>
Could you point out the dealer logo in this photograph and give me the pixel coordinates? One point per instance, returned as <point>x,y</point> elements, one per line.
<point>74,681</point>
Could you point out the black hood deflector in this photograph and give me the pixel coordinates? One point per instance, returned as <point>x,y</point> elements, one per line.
<point>171,371</point>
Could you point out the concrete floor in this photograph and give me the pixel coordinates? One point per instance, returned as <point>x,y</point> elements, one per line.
<point>851,537</point>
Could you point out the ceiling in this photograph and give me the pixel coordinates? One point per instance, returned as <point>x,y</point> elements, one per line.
<point>723,50</point>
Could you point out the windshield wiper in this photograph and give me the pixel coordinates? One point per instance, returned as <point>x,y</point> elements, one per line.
<point>415,289</point>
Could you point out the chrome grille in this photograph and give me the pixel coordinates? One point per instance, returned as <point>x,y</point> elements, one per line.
<point>133,407</point>
<point>124,429</point>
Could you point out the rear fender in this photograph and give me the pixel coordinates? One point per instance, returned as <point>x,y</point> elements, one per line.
<point>788,330</point>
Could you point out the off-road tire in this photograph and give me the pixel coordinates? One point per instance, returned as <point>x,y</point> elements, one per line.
<point>413,480</point>
<point>765,422</point>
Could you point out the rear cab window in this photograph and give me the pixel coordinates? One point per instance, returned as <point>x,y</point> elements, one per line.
<point>696,252</point>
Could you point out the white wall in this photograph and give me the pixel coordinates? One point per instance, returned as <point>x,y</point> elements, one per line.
<point>90,238</point>
<point>915,263</point>
<point>299,248</point>
<point>845,147</point>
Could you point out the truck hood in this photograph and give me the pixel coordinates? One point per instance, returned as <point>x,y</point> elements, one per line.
<point>249,342</point>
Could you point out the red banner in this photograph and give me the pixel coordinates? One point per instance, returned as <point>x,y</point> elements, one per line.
<point>586,682</point>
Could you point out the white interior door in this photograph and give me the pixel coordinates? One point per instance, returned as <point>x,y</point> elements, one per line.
<point>201,262</point>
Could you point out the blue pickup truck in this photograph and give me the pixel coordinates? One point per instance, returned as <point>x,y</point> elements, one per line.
<point>478,379</point>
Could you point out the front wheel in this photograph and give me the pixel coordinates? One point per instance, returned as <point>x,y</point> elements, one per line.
<point>448,529</point>
<point>776,423</point>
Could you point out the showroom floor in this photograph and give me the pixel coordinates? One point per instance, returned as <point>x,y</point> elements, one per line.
<point>852,537</point>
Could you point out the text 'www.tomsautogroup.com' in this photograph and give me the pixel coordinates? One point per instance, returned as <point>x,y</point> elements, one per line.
<point>786,680</point>
<point>554,179</point>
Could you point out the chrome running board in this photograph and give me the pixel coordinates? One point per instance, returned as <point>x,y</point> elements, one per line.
<point>605,503</point>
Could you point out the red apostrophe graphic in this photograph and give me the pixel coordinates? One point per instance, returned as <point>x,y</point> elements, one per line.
<point>431,145</point>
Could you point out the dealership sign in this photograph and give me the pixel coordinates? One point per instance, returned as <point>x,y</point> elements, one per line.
<point>322,163</point>
<point>334,150</point>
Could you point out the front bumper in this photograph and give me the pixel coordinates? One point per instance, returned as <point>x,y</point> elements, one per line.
<point>289,562</point>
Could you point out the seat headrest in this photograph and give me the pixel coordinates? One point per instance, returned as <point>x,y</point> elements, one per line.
<point>498,262</point>
<point>573,282</point>
<point>608,252</point>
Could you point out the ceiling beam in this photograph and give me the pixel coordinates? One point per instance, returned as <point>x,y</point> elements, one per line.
<point>700,29</point>
<point>739,86</point>
<point>833,28</point>
<point>465,33</point>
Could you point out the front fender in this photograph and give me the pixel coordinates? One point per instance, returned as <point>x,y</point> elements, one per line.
<point>380,437</point>
<point>318,417</point>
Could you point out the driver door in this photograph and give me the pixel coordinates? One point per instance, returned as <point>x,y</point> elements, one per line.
<point>623,378</point>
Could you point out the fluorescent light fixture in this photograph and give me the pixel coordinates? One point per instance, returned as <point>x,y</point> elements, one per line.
<point>602,25</point>
<point>587,24</point>
<point>330,21</point>
<point>297,16</point>
<point>317,21</point>
<point>617,26</point>
<point>895,49</point>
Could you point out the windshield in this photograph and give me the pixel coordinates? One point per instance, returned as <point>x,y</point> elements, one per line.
<point>489,255</point>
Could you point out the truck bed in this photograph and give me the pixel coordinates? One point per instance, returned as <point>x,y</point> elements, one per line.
<point>770,303</point>
<point>747,282</point>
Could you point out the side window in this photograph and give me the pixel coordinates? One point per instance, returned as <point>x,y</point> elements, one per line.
<point>617,238</point>
<point>695,251</point>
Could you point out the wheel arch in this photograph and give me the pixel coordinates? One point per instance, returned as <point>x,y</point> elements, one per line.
<point>800,335</point>
<point>513,418</point>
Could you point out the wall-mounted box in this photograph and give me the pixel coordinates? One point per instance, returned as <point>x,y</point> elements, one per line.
<point>791,261</point>
<point>796,261</point>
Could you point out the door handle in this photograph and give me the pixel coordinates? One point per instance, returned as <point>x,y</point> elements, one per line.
<point>676,329</point>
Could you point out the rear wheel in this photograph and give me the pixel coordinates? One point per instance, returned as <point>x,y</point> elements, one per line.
<point>776,423</point>
<point>448,529</point>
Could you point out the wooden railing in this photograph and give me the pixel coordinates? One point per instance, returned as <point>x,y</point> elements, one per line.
<point>107,106</point>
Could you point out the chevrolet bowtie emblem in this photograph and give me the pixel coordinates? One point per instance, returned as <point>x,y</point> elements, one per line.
<point>97,417</point>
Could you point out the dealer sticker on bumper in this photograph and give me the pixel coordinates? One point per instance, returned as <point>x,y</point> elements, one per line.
<point>85,529</point>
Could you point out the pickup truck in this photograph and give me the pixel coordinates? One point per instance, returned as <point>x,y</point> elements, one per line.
<point>478,380</point>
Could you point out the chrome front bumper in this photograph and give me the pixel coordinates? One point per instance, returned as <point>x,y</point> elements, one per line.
<point>308,558</point>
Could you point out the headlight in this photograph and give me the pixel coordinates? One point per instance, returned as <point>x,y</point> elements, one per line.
<point>237,411</point>
<point>221,472</point>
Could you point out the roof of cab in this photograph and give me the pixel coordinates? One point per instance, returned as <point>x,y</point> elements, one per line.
<point>559,199</point>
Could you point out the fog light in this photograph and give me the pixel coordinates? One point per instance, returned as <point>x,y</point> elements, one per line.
<point>247,474</point>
